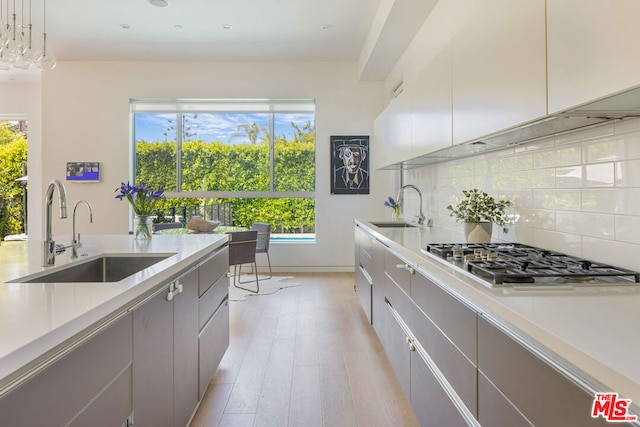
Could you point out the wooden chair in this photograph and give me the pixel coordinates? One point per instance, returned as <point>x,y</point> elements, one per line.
<point>242,250</point>
<point>262,246</point>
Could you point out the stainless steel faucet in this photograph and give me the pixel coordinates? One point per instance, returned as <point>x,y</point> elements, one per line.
<point>49,247</point>
<point>420,216</point>
<point>75,243</point>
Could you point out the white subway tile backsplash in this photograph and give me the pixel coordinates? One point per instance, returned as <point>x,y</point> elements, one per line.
<point>563,155</point>
<point>577,193</point>
<point>558,199</point>
<point>569,177</point>
<point>620,254</point>
<point>587,224</point>
<point>598,175</point>
<point>627,229</point>
<point>615,200</point>
<point>627,173</point>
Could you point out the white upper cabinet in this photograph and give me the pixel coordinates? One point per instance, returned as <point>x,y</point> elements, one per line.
<point>431,106</point>
<point>392,133</point>
<point>593,49</point>
<point>499,68</point>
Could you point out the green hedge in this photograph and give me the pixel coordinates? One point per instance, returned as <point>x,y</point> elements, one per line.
<point>13,152</point>
<point>217,166</point>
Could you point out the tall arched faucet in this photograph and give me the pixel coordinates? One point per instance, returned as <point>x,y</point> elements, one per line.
<point>420,216</point>
<point>75,243</point>
<point>49,249</point>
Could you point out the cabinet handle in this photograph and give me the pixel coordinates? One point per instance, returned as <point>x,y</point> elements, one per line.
<point>407,267</point>
<point>174,289</point>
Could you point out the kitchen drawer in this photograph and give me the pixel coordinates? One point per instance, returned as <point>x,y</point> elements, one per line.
<point>363,241</point>
<point>363,290</point>
<point>209,302</point>
<point>455,319</point>
<point>366,261</point>
<point>429,400</point>
<point>494,409</point>
<point>540,392</point>
<point>213,342</point>
<point>112,407</point>
<point>459,371</point>
<point>394,267</point>
<point>396,297</point>
<point>211,270</point>
<point>62,390</point>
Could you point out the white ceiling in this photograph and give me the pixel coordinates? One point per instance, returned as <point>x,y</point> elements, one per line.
<point>261,30</point>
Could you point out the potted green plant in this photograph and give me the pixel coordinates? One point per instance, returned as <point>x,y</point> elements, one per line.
<point>479,211</point>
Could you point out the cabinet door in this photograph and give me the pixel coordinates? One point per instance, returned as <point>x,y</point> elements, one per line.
<point>494,409</point>
<point>593,49</point>
<point>431,106</point>
<point>429,401</point>
<point>185,361</point>
<point>499,72</point>
<point>397,350</point>
<point>153,362</point>
<point>213,343</point>
<point>378,307</point>
<point>393,132</point>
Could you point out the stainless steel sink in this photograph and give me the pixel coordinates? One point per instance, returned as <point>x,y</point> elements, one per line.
<point>393,224</point>
<point>105,268</point>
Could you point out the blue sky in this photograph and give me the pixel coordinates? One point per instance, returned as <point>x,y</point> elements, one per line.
<point>210,127</point>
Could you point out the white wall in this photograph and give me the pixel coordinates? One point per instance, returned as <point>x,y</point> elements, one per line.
<point>20,101</point>
<point>577,193</point>
<point>85,109</point>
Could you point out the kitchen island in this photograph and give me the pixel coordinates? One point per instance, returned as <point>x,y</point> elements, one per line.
<point>585,335</point>
<point>45,323</point>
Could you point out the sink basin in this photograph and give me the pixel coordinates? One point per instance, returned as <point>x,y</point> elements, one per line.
<point>106,268</point>
<point>393,224</point>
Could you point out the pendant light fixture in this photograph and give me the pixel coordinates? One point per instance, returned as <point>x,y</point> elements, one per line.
<point>17,50</point>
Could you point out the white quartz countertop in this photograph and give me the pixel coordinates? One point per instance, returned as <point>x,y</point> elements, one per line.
<point>592,333</point>
<point>38,317</point>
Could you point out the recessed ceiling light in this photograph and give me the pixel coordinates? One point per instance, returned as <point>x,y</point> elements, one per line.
<point>159,3</point>
<point>125,26</point>
<point>178,26</point>
<point>226,26</point>
<point>326,27</point>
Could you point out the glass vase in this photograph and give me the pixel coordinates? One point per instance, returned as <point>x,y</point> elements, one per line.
<point>142,227</point>
<point>396,214</point>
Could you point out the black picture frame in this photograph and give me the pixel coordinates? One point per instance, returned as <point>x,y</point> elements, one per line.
<point>349,164</point>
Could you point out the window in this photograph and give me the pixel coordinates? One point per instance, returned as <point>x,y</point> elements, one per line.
<point>257,156</point>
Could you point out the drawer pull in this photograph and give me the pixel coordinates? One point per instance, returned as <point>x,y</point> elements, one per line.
<point>407,267</point>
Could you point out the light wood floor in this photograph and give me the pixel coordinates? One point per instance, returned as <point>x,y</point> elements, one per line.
<point>304,356</point>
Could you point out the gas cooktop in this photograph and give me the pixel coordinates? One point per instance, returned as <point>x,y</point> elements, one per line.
<point>503,264</point>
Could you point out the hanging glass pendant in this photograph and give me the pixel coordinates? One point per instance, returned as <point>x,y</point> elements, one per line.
<point>45,59</point>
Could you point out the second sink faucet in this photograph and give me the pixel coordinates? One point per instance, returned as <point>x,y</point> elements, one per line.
<point>75,243</point>
<point>49,248</point>
<point>420,216</point>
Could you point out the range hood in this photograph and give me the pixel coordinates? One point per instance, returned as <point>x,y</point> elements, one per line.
<point>621,106</point>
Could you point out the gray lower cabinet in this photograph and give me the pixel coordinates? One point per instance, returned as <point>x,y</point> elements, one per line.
<point>165,364</point>
<point>90,382</point>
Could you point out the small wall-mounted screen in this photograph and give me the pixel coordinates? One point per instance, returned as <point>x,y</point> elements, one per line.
<point>83,171</point>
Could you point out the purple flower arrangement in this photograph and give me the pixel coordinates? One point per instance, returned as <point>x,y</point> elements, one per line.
<point>393,205</point>
<point>143,198</point>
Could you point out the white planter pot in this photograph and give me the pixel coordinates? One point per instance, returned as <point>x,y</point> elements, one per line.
<point>478,232</point>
